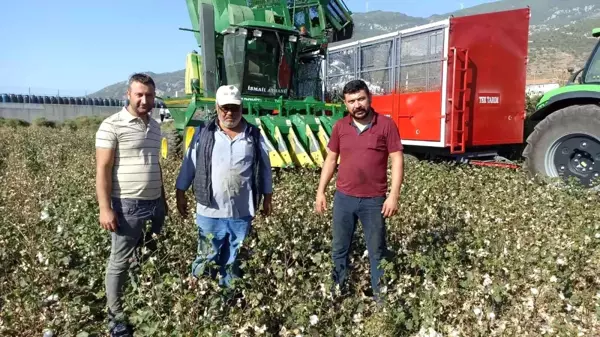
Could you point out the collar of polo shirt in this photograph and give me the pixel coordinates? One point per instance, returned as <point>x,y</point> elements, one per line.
<point>126,115</point>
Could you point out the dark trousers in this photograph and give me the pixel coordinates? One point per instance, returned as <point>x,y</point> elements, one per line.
<point>346,211</point>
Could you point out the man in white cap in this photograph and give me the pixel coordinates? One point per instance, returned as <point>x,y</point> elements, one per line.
<point>228,164</point>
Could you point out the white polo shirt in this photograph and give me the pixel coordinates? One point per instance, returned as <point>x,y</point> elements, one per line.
<point>136,170</point>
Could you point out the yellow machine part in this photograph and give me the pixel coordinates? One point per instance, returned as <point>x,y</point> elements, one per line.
<point>164,148</point>
<point>323,139</point>
<point>285,149</point>
<point>282,148</point>
<point>188,134</point>
<point>315,148</point>
<point>193,69</point>
<point>187,137</point>
<point>274,156</point>
<point>299,154</point>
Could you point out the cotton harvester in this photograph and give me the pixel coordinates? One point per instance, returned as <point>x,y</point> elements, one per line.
<point>272,50</point>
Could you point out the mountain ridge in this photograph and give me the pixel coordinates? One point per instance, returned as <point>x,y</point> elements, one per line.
<point>560,37</point>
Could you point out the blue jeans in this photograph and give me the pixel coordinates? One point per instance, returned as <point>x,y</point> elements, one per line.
<point>219,241</point>
<point>346,211</point>
<point>132,216</point>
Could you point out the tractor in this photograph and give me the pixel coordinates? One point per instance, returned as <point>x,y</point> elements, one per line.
<point>565,142</point>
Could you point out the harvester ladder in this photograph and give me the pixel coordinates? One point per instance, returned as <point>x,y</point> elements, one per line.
<point>458,115</point>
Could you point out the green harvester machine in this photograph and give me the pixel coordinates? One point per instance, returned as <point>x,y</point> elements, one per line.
<point>273,51</point>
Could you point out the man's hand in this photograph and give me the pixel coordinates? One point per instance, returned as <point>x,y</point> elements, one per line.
<point>108,219</point>
<point>321,203</point>
<point>267,205</point>
<point>390,206</point>
<point>326,174</point>
<point>181,203</point>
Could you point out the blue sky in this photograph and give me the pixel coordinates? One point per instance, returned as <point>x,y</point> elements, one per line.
<point>74,47</point>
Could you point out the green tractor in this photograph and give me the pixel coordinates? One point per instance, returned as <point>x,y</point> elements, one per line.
<point>272,50</point>
<point>565,142</point>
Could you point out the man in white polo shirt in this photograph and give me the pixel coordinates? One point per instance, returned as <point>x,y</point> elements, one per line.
<point>129,188</point>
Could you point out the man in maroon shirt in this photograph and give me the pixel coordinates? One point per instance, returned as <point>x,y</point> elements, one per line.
<point>363,140</point>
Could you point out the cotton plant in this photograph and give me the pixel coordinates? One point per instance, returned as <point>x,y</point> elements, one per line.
<point>474,251</point>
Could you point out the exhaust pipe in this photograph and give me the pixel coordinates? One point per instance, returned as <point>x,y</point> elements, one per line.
<point>206,24</point>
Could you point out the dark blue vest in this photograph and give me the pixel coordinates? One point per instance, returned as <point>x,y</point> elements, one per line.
<point>204,152</point>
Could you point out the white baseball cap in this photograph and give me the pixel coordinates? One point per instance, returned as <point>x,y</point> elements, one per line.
<point>228,94</point>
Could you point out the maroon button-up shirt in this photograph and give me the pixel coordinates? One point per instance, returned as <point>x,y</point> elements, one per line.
<point>364,155</point>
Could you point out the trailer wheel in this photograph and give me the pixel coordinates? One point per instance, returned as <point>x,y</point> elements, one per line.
<point>171,144</point>
<point>566,145</point>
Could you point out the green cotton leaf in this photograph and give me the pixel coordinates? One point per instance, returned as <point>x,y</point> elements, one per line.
<point>316,258</point>
<point>100,294</point>
<point>66,260</point>
<point>497,298</point>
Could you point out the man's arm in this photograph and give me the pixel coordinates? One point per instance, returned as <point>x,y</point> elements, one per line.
<point>397,173</point>
<point>395,150</point>
<point>186,175</point>
<point>187,171</point>
<point>106,143</point>
<point>327,171</point>
<point>162,190</point>
<point>266,178</point>
<point>104,166</point>
<point>326,175</point>
<point>333,150</point>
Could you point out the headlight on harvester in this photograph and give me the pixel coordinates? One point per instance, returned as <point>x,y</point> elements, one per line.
<point>257,33</point>
<point>293,38</point>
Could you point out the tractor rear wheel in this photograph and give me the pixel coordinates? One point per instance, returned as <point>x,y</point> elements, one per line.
<point>171,144</point>
<point>566,145</point>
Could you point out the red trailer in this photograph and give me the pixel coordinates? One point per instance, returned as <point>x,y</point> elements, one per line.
<point>454,87</point>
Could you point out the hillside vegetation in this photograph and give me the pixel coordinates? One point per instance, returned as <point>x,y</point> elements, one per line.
<point>473,252</point>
